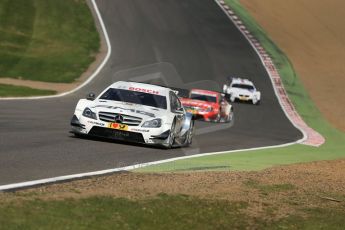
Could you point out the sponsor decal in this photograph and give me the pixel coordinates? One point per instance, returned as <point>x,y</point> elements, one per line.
<point>140,130</point>
<point>118,126</point>
<point>145,113</point>
<point>114,107</point>
<point>95,123</point>
<point>192,111</point>
<point>121,134</point>
<point>143,90</point>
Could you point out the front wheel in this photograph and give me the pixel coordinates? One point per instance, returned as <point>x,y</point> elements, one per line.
<point>171,138</point>
<point>78,135</point>
<point>232,98</point>
<point>256,102</point>
<point>218,118</point>
<point>190,134</point>
<point>230,117</point>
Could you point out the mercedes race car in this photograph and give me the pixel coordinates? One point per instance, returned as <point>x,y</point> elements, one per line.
<point>208,106</point>
<point>242,90</point>
<point>135,112</point>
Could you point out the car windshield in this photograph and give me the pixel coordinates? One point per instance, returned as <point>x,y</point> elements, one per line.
<point>243,86</point>
<point>203,97</point>
<point>141,98</point>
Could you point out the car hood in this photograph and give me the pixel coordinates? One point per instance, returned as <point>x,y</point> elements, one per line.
<point>127,108</point>
<point>245,91</point>
<point>197,103</point>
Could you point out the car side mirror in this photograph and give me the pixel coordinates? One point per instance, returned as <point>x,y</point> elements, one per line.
<point>91,96</point>
<point>179,110</point>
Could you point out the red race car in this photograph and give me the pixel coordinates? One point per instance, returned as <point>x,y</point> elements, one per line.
<point>208,105</point>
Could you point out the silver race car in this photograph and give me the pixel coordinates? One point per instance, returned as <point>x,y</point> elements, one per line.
<point>135,112</point>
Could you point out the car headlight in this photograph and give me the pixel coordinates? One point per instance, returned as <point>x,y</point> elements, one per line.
<point>155,123</point>
<point>88,113</point>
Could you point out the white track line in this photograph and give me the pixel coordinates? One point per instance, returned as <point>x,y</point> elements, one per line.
<point>94,74</point>
<point>136,166</point>
<point>126,168</point>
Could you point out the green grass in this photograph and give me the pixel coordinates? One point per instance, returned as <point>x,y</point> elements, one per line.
<point>20,91</point>
<point>334,147</point>
<point>46,40</point>
<point>317,218</point>
<point>162,212</point>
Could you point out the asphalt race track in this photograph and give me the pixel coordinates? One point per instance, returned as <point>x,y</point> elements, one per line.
<point>184,43</point>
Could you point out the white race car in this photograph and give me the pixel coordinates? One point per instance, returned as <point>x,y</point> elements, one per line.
<point>243,90</point>
<point>135,112</point>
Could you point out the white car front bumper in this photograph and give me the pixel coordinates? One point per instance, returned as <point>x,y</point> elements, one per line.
<point>138,134</point>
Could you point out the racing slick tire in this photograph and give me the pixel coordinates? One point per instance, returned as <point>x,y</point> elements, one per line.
<point>232,98</point>
<point>256,102</point>
<point>78,135</point>
<point>218,118</point>
<point>171,137</point>
<point>230,117</point>
<point>189,135</point>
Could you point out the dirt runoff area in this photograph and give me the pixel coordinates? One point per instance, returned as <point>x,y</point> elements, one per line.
<point>287,190</point>
<point>312,34</point>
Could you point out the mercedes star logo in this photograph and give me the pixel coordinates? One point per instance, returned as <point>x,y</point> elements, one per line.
<point>118,118</point>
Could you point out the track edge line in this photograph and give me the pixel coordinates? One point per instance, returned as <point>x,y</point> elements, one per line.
<point>42,182</point>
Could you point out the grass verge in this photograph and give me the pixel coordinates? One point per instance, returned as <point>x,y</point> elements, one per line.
<point>46,40</point>
<point>20,91</point>
<point>255,160</point>
<point>161,212</point>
